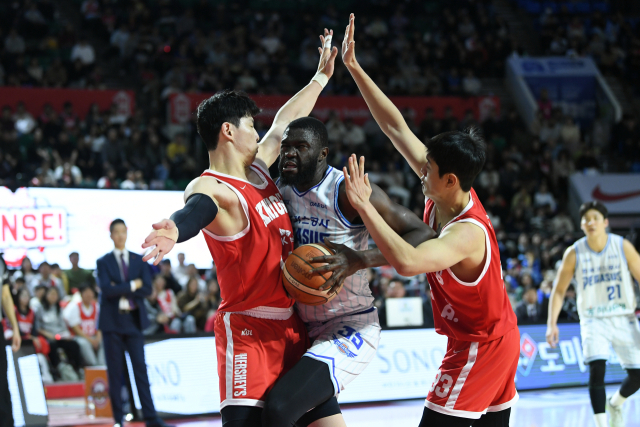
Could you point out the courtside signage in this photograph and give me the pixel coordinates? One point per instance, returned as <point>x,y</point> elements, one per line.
<point>620,193</point>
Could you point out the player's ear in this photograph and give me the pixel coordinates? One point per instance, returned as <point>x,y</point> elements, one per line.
<point>226,131</point>
<point>323,153</point>
<point>452,180</point>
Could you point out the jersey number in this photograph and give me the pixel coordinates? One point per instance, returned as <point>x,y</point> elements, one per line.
<point>347,332</point>
<point>447,382</point>
<point>612,291</point>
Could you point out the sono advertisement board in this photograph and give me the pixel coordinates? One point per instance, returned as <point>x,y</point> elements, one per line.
<point>184,379</point>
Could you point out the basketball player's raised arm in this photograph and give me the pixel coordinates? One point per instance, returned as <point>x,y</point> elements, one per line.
<point>347,261</point>
<point>384,112</point>
<point>562,282</point>
<point>301,104</point>
<point>633,259</point>
<point>456,243</point>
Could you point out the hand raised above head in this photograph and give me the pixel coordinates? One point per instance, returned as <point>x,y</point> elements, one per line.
<point>356,183</point>
<point>348,43</point>
<point>328,54</point>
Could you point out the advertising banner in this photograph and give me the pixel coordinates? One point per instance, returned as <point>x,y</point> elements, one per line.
<point>36,98</point>
<point>182,106</point>
<point>184,379</point>
<point>47,224</point>
<point>620,193</point>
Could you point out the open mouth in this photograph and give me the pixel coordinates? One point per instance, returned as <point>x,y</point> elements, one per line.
<point>290,166</point>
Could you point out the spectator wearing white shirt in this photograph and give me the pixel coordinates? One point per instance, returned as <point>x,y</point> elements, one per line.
<point>14,43</point>
<point>82,319</point>
<point>180,271</point>
<point>45,278</point>
<point>471,85</point>
<point>84,52</point>
<point>354,135</point>
<point>335,128</point>
<point>544,198</point>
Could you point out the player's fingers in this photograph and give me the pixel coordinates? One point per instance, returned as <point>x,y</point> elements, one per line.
<point>331,245</point>
<point>158,257</point>
<point>320,50</point>
<point>321,40</point>
<point>361,166</point>
<point>346,177</point>
<point>366,179</point>
<point>334,53</point>
<point>151,254</point>
<point>323,258</point>
<point>352,26</point>
<point>159,225</point>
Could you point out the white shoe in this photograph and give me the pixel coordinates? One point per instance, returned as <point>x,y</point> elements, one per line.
<point>616,415</point>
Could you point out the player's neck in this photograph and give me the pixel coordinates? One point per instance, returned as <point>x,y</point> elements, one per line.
<point>597,243</point>
<point>229,163</point>
<point>450,207</point>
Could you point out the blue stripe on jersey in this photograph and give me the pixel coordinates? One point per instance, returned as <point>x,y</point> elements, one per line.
<point>336,207</point>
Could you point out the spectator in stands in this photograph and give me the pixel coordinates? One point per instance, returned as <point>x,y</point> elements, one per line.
<point>26,272</point>
<point>175,321</point>
<point>192,273</point>
<point>76,275</point>
<point>129,182</point>
<point>471,85</point>
<point>57,272</point>
<point>14,44</point>
<point>191,301</point>
<point>570,306</point>
<point>38,294</point>
<point>395,289</point>
<point>24,121</point>
<point>543,197</point>
<point>84,52</point>
<point>353,137</point>
<point>52,326</point>
<point>528,310</point>
<point>82,319</point>
<point>212,302</point>
<point>544,104</point>
<point>170,281</point>
<point>45,278</point>
<point>180,271</point>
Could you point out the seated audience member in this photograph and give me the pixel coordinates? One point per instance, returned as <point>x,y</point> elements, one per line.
<point>82,319</point>
<point>157,319</point>
<point>529,309</point>
<point>169,280</point>
<point>57,272</point>
<point>192,272</point>
<point>395,289</point>
<point>78,276</point>
<point>26,318</point>
<point>212,302</point>
<point>193,302</point>
<point>180,271</point>
<point>38,294</point>
<point>45,278</point>
<point>52,326</point>
<point>169,305</point>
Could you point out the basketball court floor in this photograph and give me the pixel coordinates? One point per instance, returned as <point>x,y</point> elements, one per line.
<point>557,408</point>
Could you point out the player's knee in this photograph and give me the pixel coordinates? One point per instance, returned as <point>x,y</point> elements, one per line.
<point>276,412</point>
<point>597,369</point>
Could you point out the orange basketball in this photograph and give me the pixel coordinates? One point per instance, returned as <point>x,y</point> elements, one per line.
<point>300,285</point>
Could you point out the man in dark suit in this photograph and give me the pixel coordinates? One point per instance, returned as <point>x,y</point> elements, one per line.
<point>125,280</point>
<point>529,310</point>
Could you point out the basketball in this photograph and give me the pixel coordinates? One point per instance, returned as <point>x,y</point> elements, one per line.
<point>300,285</point>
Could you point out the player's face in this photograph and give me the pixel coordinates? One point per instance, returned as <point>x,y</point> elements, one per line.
<point>432,184</point>
<point>119,235</point>
<point>246,138</point>
<point>298,158</point>
<point>593,223</point>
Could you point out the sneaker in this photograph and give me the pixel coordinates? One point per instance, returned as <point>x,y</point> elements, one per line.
<point>616,415</point>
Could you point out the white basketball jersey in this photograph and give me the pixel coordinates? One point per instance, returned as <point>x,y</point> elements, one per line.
<point>604,283</point>
<point>315,215</point>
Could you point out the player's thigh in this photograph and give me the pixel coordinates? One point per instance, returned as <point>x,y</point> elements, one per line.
<point>494,419</point>
<point>596,338</point>
<point>431,418</point>
<point>626,340</point>
<point>241,416</point>
<point>347,346</point>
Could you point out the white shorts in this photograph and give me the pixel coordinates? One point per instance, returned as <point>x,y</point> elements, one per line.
<point>622,333</point>
<point>347,344</point>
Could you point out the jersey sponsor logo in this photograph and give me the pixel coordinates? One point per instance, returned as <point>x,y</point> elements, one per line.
<point>304,236</point>
<point>271,208</point>
<point>603,310</point>
<point>306,220</point>
<point>247,332</point>
<point>449,313</point>
<point>286,236</point>
<point>317,205</point>
<point>600,278</point>
<point>343,347</point>
<point>528,352</point>
<point>240,374</point>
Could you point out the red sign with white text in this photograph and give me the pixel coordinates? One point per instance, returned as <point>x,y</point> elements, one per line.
<point>183,105</point>
<point>33,227</point>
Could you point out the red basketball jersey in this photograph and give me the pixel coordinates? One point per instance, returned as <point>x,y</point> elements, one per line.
<point>249,263</point>
<point>89,323</point>
<point>479,311</point>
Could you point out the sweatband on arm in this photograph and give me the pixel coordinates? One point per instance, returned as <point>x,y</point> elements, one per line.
<point>197,213</point>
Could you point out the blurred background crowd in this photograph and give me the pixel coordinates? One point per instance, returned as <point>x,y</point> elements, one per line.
<point>410,48</point>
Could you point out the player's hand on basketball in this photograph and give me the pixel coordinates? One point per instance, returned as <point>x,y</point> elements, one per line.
<point>328,54</point>
<point>553,335</point>
<point>356,183</point>
<point>163,244</point>
<point>342,264</point>
<point>348,44</point>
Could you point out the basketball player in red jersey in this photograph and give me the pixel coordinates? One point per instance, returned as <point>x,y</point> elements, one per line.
<point>248,232</point>
<point>475,384</point>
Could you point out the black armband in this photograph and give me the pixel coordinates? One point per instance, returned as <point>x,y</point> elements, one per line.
<point>197,213</point>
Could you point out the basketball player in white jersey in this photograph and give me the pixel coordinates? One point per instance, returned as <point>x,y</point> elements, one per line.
<point>602,265</point>
<point>345,331</point>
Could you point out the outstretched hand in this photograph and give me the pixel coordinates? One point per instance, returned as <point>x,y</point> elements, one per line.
<point>356,183</point>
<point>163,244</point>
<point>328,54</point>
<point>348,44</point>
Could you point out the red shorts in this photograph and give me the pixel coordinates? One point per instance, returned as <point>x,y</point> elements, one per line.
<point>476,378</point>
<point>254,352</point>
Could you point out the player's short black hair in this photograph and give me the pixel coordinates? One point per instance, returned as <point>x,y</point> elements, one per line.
<point>599,206</point>
<point>114,223</point>
<point>460,153</point>
<point>315,127</point>
<point>225,106</point>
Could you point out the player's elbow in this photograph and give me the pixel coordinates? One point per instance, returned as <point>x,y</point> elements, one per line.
<point>406,268</point>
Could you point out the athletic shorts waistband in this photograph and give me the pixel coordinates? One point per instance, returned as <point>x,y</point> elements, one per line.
<point>368,310</point>
<point>272,313</point>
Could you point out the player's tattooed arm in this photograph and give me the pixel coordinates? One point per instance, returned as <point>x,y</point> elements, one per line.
<point>633,259</point>
<point>347,261</point>
<point>556,300</point>
<point>301,104</point>
<point>386,114</point>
